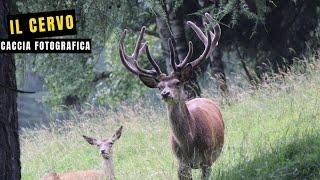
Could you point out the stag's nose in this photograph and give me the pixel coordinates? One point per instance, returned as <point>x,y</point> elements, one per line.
<point>103,151</point>
<point>165,94</point>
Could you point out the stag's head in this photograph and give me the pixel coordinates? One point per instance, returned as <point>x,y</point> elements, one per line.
<point>170,85</point>
<point>105,145</point>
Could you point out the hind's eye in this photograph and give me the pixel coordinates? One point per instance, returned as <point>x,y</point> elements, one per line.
<point>178,83</point>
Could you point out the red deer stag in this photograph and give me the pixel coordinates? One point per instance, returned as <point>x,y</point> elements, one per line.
<point>197,124</point>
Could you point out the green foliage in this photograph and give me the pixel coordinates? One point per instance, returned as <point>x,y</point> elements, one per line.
<point>103,21</point>
<point>64,75</point>
<point>70,74</point>
<point>235,9</point>
<point>122,85</point>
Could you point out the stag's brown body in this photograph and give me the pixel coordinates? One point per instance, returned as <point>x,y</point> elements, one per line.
<point>204,121</point>
<point>197,124</point>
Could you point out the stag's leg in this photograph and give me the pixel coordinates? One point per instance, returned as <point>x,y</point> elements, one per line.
<point>207,163</point>
<point>206,172</point>
<point>184,171</point>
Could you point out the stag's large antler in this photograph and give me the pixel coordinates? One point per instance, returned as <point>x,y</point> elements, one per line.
<point>131,62</point>
<point>210,41</point>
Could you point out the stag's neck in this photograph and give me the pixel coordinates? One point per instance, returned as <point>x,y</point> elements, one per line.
<point>181,123</point>
<point>108,168</point>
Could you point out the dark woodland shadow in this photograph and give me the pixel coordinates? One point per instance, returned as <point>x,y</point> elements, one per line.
<point>297,160</point>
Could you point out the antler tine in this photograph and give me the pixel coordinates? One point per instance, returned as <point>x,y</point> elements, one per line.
<point>144,46</point>
<point>199,32</point>
<point>133,67</point>
<point>206,40</point>
<point>138,50</point>
<point>188,56</point>
<point>210,40</point>
<point>130,62</point>
<point>144,71</point>
<point>123,55</point>
<point>121,46</point>
<point>206,51</point>
<point>152,61</point>
<point>138,44</point>
<point>172,54</point>
<point>216,29</point>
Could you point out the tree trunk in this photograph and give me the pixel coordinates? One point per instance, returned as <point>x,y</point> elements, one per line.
<point>164,35</point>
<point>9,137</point>
<point>173,26</point>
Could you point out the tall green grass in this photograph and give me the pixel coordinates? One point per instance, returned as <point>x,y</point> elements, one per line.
<point>271,133</point>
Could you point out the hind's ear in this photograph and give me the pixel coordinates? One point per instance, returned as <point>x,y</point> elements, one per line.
<point>91,140</point>
<point>117,135</point>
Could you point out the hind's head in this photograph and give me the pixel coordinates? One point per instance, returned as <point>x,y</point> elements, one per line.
<point>105,145</point>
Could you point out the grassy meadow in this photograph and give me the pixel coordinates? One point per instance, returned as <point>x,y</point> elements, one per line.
<point>271,133</point>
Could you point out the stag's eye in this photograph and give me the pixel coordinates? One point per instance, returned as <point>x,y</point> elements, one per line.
<point>160,87</point>
<point>176,83</point>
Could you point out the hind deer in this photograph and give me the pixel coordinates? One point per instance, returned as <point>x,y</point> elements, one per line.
<point>105,147</point>
<point>197,125</point>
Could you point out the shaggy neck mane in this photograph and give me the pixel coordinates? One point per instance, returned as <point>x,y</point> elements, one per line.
<point>181,124</point>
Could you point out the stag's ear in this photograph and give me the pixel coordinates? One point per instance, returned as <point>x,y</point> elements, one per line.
<point>91,140</point>
<point>148,81</point>
<point>186,72</point>
<point>117,135</point>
